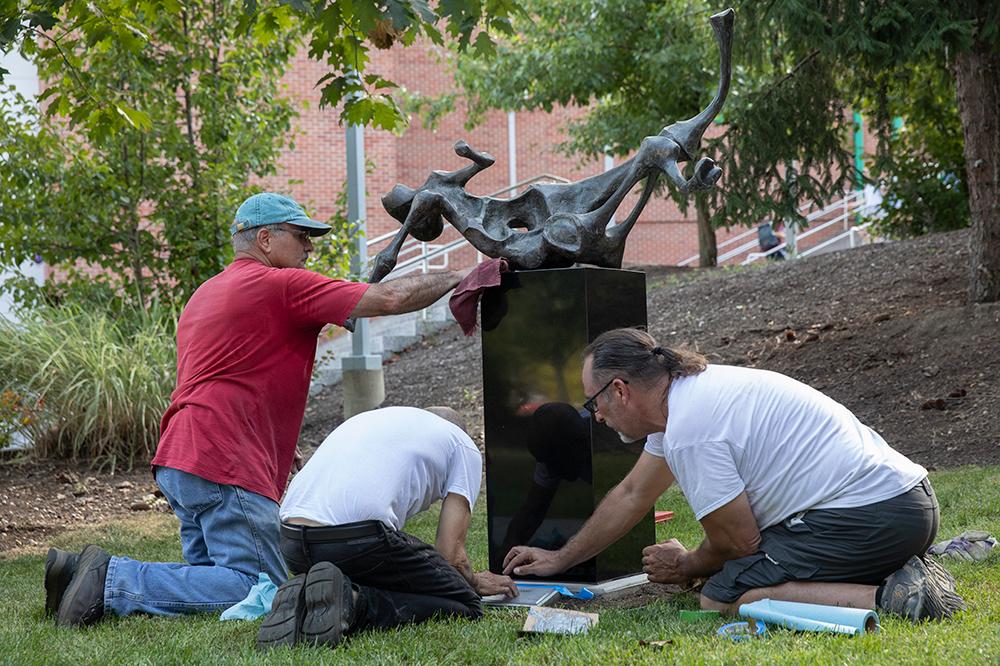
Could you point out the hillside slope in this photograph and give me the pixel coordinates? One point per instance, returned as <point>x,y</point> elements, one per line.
<point>884,329</point>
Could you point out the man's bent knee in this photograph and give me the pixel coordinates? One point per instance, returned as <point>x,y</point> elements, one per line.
<point>721,606</point>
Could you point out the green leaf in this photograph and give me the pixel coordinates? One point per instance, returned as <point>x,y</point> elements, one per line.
<point>386,115</point>
<point>483,45</point>
<point>9,31</point>
<point>366,13</point>
<point>136,118</point>
<point>43,20</point>
<point>301,6</point>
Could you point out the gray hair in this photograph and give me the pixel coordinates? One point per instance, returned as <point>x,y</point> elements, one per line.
<point>450,415</point>
<point>244,240</point>
<point>634,355</point>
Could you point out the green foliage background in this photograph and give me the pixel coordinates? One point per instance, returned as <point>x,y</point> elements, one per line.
<point>339,34</point>
<point>920,166</point>
<point>147,202</point>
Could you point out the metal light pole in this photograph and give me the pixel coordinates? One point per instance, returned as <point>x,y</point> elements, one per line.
<point>511,152</point>
<point>363,382</point>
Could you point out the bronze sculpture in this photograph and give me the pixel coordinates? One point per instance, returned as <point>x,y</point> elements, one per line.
<point>557,225</point>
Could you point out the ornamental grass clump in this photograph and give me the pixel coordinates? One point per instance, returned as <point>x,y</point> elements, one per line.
<point>95,385</point>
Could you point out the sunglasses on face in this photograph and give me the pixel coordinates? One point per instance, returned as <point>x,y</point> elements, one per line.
<point>302,236</point>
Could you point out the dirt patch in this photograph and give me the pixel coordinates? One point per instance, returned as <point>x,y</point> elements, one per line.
<point>884,329</point>
<point>39,499</point>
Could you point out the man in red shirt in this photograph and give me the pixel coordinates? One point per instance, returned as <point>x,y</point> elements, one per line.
<point>246,342</point>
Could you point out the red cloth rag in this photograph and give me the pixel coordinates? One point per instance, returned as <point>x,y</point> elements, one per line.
<point>465,300</point>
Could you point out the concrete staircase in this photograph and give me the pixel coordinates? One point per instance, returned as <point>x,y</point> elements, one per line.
<point>388,335</point>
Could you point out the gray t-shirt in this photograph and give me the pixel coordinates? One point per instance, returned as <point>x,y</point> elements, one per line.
<point>790,447</point>
<point>386,464</point>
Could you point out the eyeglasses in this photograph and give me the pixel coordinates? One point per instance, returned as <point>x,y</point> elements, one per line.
<point>302,236</point>
<point>590,404</point>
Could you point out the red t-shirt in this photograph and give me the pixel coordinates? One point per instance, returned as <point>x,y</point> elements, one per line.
<point>245,348</point>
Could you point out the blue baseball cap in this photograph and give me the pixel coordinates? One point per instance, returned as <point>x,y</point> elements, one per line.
<point>270,208</point>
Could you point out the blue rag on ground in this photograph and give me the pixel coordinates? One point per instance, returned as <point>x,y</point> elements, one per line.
<point>257,603</point>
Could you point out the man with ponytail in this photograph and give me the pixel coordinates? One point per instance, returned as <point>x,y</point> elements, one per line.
<point>798,499</point>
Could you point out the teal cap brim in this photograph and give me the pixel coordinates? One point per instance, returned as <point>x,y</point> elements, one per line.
<point>315,228</point>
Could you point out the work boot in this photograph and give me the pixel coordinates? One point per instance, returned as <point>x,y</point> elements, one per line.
<point>60,565</point>
<point>921,590</point>
<point>283,625</point>
<point>83,602</point>
<point>329,602</point>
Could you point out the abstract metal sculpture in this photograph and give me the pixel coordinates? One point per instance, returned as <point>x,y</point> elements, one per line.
<point>557,225</point>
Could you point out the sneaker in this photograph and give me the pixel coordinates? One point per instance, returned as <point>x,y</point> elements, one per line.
<point>83,602</point>
<point>60,565</point>
<point>283,625</point>
<point>921,590</point>
<point>329,605</point>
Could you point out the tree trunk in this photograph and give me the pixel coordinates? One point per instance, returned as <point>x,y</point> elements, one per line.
<point>977,74</point>
<point>708,251</point>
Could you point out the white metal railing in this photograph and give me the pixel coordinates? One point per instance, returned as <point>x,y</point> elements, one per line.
<point>848,206</point>
<point>694,257</point>
<point>750,232</point>
<point>428,251</point>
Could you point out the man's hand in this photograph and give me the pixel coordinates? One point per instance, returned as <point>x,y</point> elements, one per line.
<point>523,560</point>
<point>662,561</point>
<point>487,583</point>
<point>298,461</point>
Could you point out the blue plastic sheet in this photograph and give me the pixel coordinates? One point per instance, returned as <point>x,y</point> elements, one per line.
<point>584,593</point>
<point>257,603</point>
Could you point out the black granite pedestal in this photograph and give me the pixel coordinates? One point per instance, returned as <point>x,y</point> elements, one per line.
<point>548,464</point>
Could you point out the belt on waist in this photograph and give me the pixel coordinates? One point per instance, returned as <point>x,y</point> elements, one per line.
<point>326,534</point>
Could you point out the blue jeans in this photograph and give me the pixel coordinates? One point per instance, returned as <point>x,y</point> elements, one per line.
<point>228,536</point>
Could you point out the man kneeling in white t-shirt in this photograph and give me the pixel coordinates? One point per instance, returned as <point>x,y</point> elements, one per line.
<point>342,521</point>
<point>798,499</point>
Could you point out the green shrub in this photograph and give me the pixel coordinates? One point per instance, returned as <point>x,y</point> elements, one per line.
<point>84,385</point>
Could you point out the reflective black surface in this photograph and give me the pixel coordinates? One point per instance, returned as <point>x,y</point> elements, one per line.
<point>547,463</point>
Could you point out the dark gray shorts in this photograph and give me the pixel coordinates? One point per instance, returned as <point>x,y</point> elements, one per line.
<point>859,545</point>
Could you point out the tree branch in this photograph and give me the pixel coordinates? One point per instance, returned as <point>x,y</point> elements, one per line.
<point>802,63</point>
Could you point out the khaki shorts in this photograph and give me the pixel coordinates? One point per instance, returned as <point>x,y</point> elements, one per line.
<point>858,545</point>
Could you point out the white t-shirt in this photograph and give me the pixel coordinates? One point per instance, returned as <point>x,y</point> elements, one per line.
<point>386,464</point>
<point>790,447</point>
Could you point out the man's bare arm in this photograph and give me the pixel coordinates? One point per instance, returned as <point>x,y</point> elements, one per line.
<point>453,526</point>
<point>407,293</point>
<point>617,513</point>
<point>731,532</point>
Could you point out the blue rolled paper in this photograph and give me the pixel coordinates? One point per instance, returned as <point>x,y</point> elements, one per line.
<point>812,617</point>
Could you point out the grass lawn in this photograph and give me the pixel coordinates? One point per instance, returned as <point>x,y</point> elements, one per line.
<point>970,499</point>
